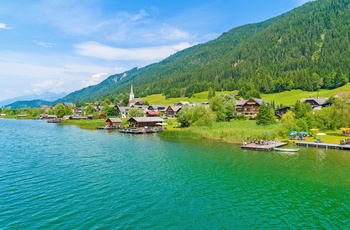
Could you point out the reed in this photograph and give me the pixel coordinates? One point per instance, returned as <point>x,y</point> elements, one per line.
<point>84,124</point>
<point>231,132</point>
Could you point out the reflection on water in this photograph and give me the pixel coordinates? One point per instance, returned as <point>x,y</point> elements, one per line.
<point>63,176</point>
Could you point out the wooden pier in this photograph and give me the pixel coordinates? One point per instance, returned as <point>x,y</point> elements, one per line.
<point>323,145</point>
<point>263,147</point>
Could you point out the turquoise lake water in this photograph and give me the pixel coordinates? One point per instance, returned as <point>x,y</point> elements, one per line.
<point>63,177</point>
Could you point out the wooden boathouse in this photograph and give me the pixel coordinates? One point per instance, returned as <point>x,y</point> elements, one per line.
<point>141,122</point>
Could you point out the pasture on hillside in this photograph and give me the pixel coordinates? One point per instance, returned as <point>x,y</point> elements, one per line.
<point>285,98</point>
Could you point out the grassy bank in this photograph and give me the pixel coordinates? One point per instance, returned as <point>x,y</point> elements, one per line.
<point>84,124</point>
<point>238,131</point>
<point>231,132</point>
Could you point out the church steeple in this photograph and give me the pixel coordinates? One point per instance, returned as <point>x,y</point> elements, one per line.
<point>131,97</point>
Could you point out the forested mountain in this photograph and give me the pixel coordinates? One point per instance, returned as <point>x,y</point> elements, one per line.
<point>307,48</point>
<point>46,96</point>
<point>31,103</point>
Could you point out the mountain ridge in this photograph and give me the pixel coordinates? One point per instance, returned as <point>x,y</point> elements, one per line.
<point>45,96</point>
<point>306,48</point>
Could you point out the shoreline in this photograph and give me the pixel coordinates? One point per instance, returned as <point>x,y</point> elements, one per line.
<point>220,133</point>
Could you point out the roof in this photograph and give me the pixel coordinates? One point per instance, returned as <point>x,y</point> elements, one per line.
<point>146,119</point>
<point>319,101</point>
<point>78,117</point>
<point>284,108</point>
<point>240,102</point>
<point>258,100</point>
<point>157,106</point>
<point>123,109</point>
<point>150,112</point>
<point>175,108</point>
<point>115,120</point>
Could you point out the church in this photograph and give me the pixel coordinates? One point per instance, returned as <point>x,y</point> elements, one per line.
<point>134,101</point>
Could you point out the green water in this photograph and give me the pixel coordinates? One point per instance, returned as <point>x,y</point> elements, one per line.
<point>62,177</point>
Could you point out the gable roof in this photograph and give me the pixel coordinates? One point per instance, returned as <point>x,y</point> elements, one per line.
<point>114,120</point>
<point>258,100</point>
<point>319,101</point>
<point>146,119</point>
<point>155,106</point>
<point>175,108</point>
<point>123,109</point>
<point>150,112</point>
<point>241,102</point>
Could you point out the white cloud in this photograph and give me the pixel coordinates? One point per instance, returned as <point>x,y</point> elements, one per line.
<point>142,14</point>
<point>29,73</point>
<point>171,33</point>
<point>45,44</point>
<point>4,26</point>
<point>155,53</point>
<point>95,79</point>
<point>51,85</point>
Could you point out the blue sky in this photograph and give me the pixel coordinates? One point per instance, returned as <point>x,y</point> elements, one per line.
<point>65,45</point>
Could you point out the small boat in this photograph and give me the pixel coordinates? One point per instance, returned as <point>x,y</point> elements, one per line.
<point>54,120</point>
<point>285,150</point>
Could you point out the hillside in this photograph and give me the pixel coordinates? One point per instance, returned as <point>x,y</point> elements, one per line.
<point>284,98</point>
<point>46,96</point>
<point>307,48</point>
<point>31,103</point>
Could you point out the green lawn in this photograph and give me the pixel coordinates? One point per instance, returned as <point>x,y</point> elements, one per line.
<point>332,137</point>
<point>290,97</point>
<point>285,98</point>
<point>198,97</point>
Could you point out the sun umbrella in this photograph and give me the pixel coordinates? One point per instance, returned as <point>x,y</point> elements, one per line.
<point>321,134</point>
<point>292,133</point>
<point>344,129</point>
<point>313,129</point>
<point>303,133</point>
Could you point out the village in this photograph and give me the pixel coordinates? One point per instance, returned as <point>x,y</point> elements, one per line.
<point>153,116</point>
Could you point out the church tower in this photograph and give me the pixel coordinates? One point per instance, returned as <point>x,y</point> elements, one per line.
<point>131,97</point>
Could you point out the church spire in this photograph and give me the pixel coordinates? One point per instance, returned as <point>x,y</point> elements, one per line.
<point>131,97</point>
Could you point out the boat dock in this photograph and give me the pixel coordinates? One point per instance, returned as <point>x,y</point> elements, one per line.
<point>140,131</point>
<point>323,145</point>
<point>264,147</point>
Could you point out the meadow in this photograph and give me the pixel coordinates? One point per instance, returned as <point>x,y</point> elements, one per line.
<point>284,98</point>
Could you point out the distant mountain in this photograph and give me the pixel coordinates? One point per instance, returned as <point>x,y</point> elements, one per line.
<point>31,103</point>
<point>46,96</point>
<point>307,48</point>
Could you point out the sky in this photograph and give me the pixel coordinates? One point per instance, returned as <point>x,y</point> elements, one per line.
<point>66,45</point>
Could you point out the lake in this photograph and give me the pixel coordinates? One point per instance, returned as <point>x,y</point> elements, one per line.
<point>63,177</point>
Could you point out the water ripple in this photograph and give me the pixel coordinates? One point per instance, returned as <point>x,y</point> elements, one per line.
<point>63,177</point>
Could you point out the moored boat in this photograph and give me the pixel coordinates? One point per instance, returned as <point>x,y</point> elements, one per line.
<point>286,149</point>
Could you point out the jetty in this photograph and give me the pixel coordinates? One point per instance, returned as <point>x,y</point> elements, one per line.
<point>140,131</point>
<point>324,145</point>
<point>108,127</point>
<point>268,146</point>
